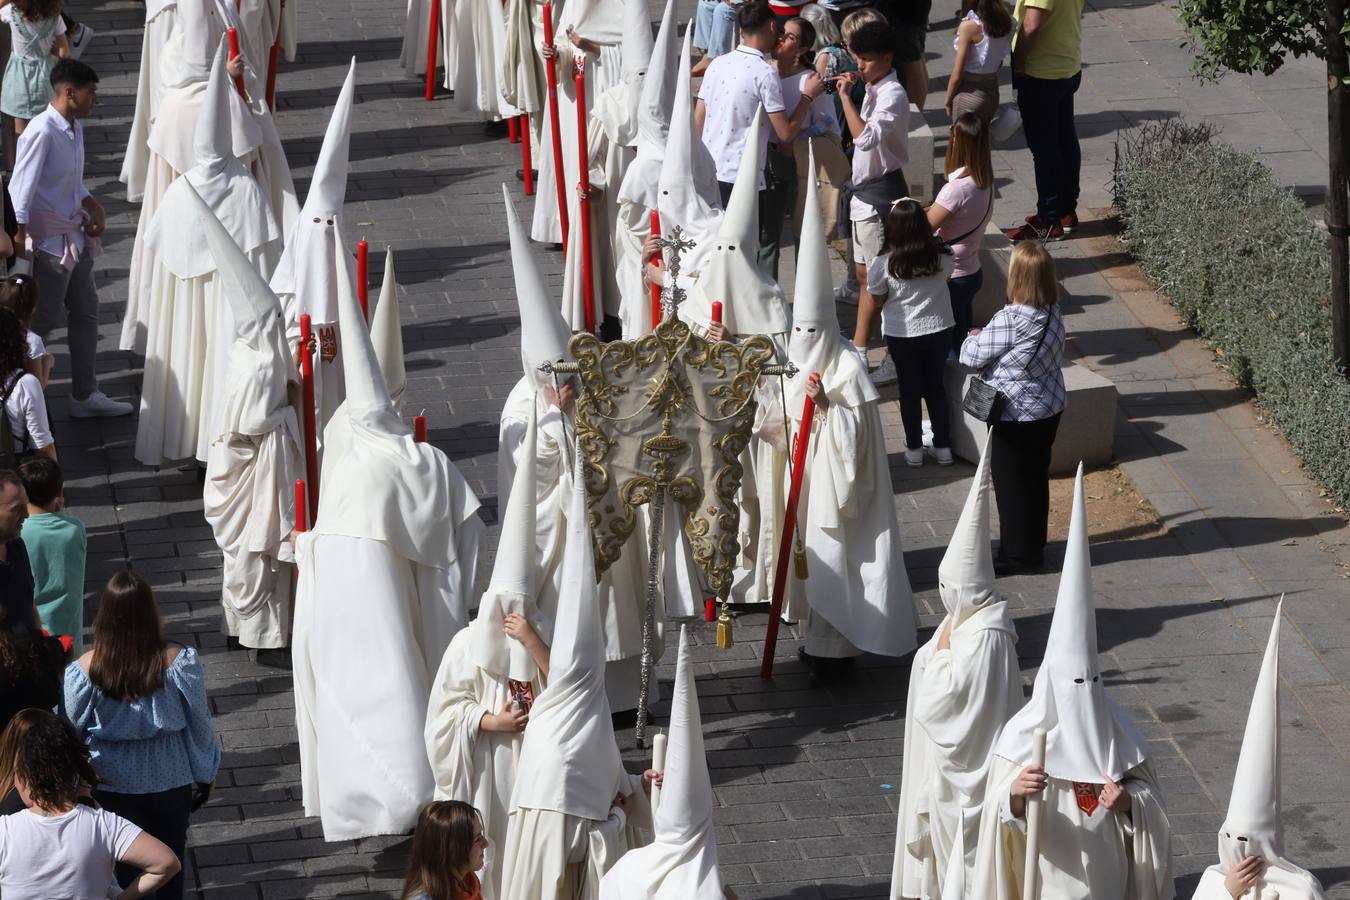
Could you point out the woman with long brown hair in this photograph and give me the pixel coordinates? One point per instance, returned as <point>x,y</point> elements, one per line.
<point>960,212</point>
<point>57,846</point>
<point>140,702</point>
<point>447,849</point>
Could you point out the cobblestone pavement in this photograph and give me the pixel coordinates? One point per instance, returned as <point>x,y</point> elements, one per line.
<point>806,778</point>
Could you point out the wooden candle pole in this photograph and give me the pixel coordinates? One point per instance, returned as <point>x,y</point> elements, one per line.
<point>551,69</point>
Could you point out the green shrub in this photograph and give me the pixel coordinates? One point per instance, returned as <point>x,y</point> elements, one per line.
<point>1239,257</point>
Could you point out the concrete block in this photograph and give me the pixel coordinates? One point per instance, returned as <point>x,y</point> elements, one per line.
<point>923,166</point>
<point>1086,431</point>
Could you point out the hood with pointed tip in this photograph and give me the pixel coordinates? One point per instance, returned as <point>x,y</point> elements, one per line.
<point>1254,805</point>
<point>966,573</point>
<point>544,334</point>
<point>386,334</point>
<point>640,181</point>
<point>687,192</point>
<point>636,49</point>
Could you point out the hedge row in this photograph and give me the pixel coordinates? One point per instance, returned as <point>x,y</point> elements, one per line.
<point>1239,257</point>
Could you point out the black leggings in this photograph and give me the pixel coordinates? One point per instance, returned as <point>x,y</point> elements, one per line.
<point>919,365</point>
<point>162,815</point>
<point>1020,467</point>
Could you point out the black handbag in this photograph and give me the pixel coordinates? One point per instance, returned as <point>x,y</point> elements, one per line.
<point>986,402</point>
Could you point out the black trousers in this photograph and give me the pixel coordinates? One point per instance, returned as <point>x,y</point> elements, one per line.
<point>1020,467</point>
<point>1046,105</point>
<point>162,815</point>
<point>919,364</point>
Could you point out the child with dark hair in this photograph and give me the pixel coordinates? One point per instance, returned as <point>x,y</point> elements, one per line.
<point>447,849</point>
<point>21,396</point>
<point>19,295</point>
<point>908,278</point>
<point>56,545</point>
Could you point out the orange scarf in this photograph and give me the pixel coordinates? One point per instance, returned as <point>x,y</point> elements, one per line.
<point>468,888</point>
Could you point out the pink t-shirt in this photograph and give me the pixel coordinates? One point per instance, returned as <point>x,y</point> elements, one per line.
<point>970,208</point>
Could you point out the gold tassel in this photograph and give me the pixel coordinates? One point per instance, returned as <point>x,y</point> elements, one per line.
<point>799,559</point>
<point>724,639</point>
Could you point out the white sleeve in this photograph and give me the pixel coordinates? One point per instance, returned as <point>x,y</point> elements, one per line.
<point>119,833</point>
<point>34,408</point>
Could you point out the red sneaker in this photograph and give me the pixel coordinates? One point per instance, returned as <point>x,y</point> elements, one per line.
<point>1069,222</point>
<point>1036,229</point>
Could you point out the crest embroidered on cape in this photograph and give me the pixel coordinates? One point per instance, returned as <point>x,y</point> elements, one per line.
<point>327,343</point>
<point>1086,797</point>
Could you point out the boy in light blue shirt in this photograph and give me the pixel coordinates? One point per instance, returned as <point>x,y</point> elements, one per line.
<point>56,545</point>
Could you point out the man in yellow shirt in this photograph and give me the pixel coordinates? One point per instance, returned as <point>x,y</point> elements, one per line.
<point>1047,66</point>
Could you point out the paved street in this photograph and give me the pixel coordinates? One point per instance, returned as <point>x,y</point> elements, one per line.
<point>807,779</point>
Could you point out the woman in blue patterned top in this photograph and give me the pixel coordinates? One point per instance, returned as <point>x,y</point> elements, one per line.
<point>140,704</point>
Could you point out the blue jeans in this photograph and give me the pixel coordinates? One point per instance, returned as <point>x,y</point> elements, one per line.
<point>715,27</point>
<point>963,290</point>
<point>1046,105</point>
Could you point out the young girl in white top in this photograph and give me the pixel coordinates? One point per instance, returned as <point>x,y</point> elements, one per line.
<point>19,295</point>
<point>983,39</point>
<point>22,392</point>
<point>908,278</point>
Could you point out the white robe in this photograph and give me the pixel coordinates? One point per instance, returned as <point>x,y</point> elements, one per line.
<point>1289,885</point>
<point>480,34</point>
<point>416,38</point>
<point>1105,856</point>
<point>249,479</point>
<point>370,630</point>
<point>159,24</point>
<point>959,699</point>
<point>471,765</point>
<point>554,856</point>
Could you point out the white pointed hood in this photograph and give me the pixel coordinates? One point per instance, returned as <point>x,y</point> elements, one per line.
<point>569,761</point>
<point>687,193</point>
<point>966,573</point>
<point>816,344</point>
<point>636,49</point>
<point>513,585</point>
<point>378,483</point>
<point>1087,734</point>
<point>219,179</point>
<point>543,331</point>
<point>752,303</point>
<point>314,259</point>
<point>386,334</point>
<point>681,862</point>
<point>640,181</point>
<point>260,367</point>
<point>1254,824</point>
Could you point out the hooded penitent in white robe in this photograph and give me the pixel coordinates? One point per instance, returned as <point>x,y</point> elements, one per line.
<point>384,579</point>
<point>623,591</point>
<point>480,35</point>
<point>316,262</point>
<point>1254,825</point>
<point>249,495</point>
<point>483,669</point>
<point>564,832</point>
<point>681,861</point>
<point>1087,851</point>
<point>521,68</point>
<point>416,34</point>
<point>960,696</point>
<point>611,145</point>
<point>386,334</point>
<point>856,590</point>
<point>159,24</point>
<point>185,69</point>
<point>189,328</point>
<point>635,197</point>
<point>600,21</point>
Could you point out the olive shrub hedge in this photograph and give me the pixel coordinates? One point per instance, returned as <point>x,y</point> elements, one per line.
<point>1240,258</point>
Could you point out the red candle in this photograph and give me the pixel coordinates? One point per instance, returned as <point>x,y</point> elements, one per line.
<point>584,184</point>
<point>789,529</point>
<point>301,523</point>
<point>308,416</point>
<point>272,59</point>
<point>717,312</point>
<point>525,155</point>
<point>363,277</point>
<point>656,260</point>
<point>233,35</point>
<point>710,610</point>
<point>420,429</point>
<point>512,130</point>
<point>551,70</point>
<point>433,32</point>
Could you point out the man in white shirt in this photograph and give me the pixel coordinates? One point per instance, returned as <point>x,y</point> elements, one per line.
<point>734,87</point>
<point>61,226</point>
<point>880,152</point>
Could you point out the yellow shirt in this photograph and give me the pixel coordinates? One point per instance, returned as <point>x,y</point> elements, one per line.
<point>1058,52</point>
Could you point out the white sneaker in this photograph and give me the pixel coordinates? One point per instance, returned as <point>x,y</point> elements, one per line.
<point>98,405</point>
<point>914,458</point>
<point>847,293</point>
<point>943,455</point>
<point>884,374</point>
<point>80,40</point>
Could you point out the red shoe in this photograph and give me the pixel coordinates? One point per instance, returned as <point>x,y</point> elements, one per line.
<point>1036,229</point>
<point>1069,222</point>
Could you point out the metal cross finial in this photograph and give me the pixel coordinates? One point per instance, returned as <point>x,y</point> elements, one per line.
<point>672,295</point>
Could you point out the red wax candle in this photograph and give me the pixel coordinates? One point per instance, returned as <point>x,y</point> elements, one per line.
<point>709,610</point>
<point>656,260</point>
<point>551,71</point>
<point>433,32</point>
<point>300,506</point>
<point>420,429</point>
<point>717,312</point>
<point>233,35</point>
<point>363,277</point>
<point>307,412</point>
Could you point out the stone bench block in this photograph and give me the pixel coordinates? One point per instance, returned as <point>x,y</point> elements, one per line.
<point>921,160</point>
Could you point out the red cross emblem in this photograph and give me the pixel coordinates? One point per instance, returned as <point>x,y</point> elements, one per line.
<point>327,343</point>
<point>1085,795</point>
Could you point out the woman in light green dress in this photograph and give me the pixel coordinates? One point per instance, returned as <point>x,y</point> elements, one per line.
<point>36,31</point>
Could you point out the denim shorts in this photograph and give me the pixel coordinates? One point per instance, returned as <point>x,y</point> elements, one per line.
<point>715,27</point>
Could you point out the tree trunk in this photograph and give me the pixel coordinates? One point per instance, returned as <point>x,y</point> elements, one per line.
<point>1338,69</point>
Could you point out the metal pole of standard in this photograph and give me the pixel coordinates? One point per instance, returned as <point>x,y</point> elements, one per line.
<point>1338,222</point>
<point>654,529</point>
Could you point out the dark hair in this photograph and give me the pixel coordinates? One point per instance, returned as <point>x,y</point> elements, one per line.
<point>915,252</point>
<point>44,750</point>
<point>805,54</point>
<point>74,73</point>
<point>38,10</point>
<point>873,39</point>
<point>995,18</point>
<point>754,16</point>
<point>42,480</point>
<point>13,345</point>
<point>128,660</point>
<point>19,295</point>
<point>441,848</point>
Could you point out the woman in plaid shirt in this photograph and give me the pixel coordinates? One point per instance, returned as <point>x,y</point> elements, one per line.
<point>1020,353</point>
